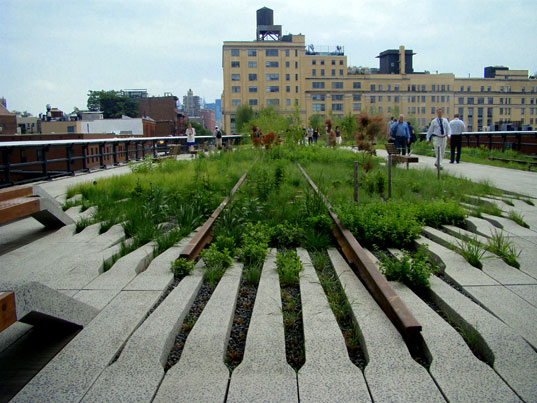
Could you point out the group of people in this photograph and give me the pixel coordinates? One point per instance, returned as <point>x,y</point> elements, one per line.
<point>312,135</point>
<point>191,133</point>
<point>440,130</point>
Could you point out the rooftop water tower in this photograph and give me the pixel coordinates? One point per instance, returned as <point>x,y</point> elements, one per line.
<point>266,30</point>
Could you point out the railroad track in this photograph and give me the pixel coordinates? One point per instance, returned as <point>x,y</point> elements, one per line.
<point>122,353</point>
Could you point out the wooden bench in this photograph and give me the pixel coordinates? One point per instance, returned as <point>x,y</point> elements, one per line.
<point>8,315</point>
<point>392,151</point>
<point>530,163</point>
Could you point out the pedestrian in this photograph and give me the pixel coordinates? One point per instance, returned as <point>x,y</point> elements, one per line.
<point>399,131</point>
<point>310,134</point>
<point>315,135</point>
<point>190,137</point>
<point>413,138</point>
<point>218,137</point>
<point>457,127</point>
<point>439,130</point>
<point>391,123</point>
<point>338,135</point>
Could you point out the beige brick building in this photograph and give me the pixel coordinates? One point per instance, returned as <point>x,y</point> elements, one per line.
<point>280,71</point>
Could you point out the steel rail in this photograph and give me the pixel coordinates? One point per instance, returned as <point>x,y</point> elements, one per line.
<point>375,282</point>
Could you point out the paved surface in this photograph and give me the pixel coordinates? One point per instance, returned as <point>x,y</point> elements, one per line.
<point>86,369</point>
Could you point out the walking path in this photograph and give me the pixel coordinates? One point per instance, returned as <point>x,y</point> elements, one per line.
<point>122,350</point>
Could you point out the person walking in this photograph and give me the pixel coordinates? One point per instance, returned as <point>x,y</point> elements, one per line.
<point>310,134</point>
<point>457,127</point>
<point>338,135</point>
<point>218,136</point>
<point>439,130</point>
<point>190,137</point>
<point>315,135</point>
<point>399,131</point>
<point>413,138</point>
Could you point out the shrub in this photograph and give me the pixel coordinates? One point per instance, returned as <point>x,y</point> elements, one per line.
<point>182,267</point>
<point>216,263</point>
<point>288,266</point>
<point>286,234</point>
<point>503,247</point>
<point>471,250</point>
<point>414,271</point>
<point>439,212</point>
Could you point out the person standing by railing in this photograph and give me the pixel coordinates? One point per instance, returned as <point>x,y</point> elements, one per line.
<point>457,127</point>
<point>439,130</point>
<point>190,137</point>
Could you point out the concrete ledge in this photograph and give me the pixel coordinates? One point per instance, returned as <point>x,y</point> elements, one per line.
<point>328,374</point>
<point>200,374</point>
<point>264,374</point>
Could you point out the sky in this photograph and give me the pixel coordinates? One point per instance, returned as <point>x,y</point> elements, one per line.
<point>55,51</point>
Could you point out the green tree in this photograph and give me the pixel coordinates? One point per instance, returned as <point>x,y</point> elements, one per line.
<point>200,130</point>
<point>271,121</point>
<point>348,126</point>
<point>316,121</point>
<point>112,104</point>
<point>243,116</point>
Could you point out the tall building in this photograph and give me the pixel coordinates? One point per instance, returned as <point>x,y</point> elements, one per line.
<point>280,71</point>
<point>191,105</point>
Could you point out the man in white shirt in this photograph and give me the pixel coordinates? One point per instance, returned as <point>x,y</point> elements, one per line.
<point>457,127</point>
<point>439,130</point>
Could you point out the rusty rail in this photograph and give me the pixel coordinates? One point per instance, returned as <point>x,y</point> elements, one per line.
<point>375,282</point>
<point>205,234</point>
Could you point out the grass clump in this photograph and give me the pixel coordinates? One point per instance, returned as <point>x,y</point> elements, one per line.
<point>518,218</point>
<point>288,266</point>
<point>471,250</point>
<point>413,271</point>
<point>501,245</point>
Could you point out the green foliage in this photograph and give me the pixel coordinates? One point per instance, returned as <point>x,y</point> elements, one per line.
<point>288,266</point>
<point>243,116</point>
<point>143,167</point>
<point>254,244</point>
<point>286,235</point>
<point>438,212</point>
<point>414,271</point>
<point>268,120</point>
<point>252,274</point>
<point>501,245</point>
<point>518,218</point>
<point>216,263</point>
<point>200,130</point>
<point>317,121</point>
<point>112,104</point>
<point>471,250</point>
<point>182,267</point>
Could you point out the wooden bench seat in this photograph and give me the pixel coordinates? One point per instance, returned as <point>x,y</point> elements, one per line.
<point>19,207</point>
<point>8,315</point>
<point>392,151</point>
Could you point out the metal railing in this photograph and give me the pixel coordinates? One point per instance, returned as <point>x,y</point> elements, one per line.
<point>17,168</point>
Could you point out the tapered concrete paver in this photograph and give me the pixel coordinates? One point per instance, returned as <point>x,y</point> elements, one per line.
<point>391,373</point>
<point>328,374</point>
<point>200,374</point>
<point>513,358</point>
<point>138,372</point>
<point>264,374</point>
<point>74,369</point>
<point>504,303</point>
<point>457,372</point>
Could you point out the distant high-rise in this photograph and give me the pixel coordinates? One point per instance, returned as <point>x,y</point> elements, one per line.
<point>391,60</point>
<point>191,105</point>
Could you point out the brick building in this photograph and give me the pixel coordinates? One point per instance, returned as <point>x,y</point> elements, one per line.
<point>8,121</point>
<point>163,110</point>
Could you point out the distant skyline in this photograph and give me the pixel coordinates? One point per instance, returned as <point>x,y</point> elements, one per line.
<point>54,52</point>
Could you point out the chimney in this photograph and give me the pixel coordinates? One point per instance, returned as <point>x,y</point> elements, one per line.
<point>402,69</point>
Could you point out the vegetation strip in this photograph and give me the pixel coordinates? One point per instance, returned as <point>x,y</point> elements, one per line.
<point>377,285</point>
<point>204,236</point>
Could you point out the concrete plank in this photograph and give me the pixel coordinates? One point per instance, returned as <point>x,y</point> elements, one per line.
<point>391,373</point>
<point>200,374</point>
<point>138,372</point>
<point>69,375</point>
<point>328,374</point>
<point>264,374</point>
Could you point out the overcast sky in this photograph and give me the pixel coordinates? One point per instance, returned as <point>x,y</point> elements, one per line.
<point>53,52</point>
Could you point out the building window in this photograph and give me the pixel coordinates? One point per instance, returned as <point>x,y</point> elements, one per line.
<point>338,97</point>
<point>470,100</point>
<point>235,77</point>
<point>288,88</point>
<point>318,84</point>
<point>357,97</point>
<point>322,62</point>
<point>235,102</point>
<point>314,62</point>
<point>337,85</point>
<point>356,84</point>
<point>313,72</point>
<point>356,107</point>
<point>288,102</point>
<point>337,107</point>
<point>396,87</point>
<point>341,72</point>
<point>252,89</point>
<point>480,100</point>
<point>333,62</point>
<point>372,99</point>
<point>235,64</point>
<point>286,52</point>
<point>373,87</point>
<point>252,102</point>
<point>235,52</point>
<point>272,77</point>
<point>318,108</point>
<point>322,72</point>
<point>272,64</point>
<point>341,62</point>
<point>288,77</point>
<point>252,52</point>
<point>273,102</point>
<point>461,100</point>
<point>488,88</point>
<point>252,65</point>
<point>273,88</point>
<point>296,77</point>
<point>317,97</point>
<point>271,52</point>
<point>333,72</point>
<point>287,64</point>
<point>396,99</point>
<point>236,89</point>
<point>252,77</point>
